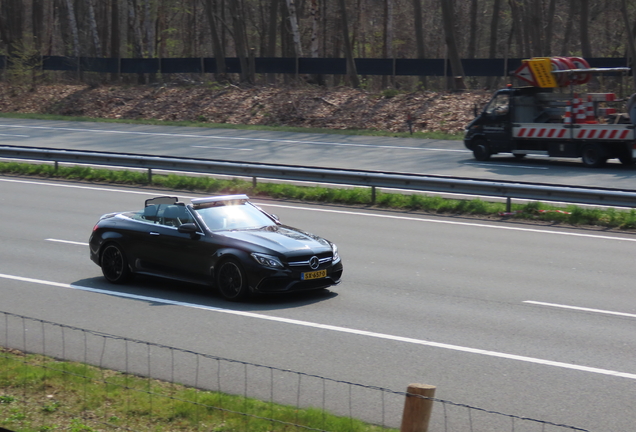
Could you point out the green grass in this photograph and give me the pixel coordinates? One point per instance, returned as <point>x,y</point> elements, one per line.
<point>533,211</point>
<point>38,394</point>
<point>365,132</point>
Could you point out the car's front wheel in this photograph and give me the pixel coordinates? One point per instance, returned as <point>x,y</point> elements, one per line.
<point>231,281</point>
<point>114,264</point>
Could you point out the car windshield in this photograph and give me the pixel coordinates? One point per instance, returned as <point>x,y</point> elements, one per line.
<point>233,216</point>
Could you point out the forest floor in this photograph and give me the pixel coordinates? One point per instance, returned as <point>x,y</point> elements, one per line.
<point>300,106</point>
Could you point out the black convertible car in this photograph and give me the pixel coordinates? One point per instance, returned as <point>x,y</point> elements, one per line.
<point>224,241</point>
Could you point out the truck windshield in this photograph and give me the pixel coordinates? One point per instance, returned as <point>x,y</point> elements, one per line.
<point>499,105</point>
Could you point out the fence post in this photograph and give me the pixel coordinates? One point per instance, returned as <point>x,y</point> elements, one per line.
<point>417,410</point>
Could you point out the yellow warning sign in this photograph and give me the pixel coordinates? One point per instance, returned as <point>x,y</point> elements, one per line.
<point>542,70</point>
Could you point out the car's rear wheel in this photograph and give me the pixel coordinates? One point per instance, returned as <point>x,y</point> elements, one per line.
<point>114,264</point>
<point>231,281</point>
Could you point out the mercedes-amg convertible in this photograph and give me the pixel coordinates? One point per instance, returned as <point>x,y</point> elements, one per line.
<point>223,241</point>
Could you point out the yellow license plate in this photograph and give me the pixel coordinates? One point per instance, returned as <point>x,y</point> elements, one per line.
<point>314,275</point>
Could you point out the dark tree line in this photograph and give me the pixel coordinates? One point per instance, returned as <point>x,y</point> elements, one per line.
<point>452,29</point>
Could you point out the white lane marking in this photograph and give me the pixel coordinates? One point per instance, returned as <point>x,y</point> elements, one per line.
<point>471,224</point>
<point>147,193</point>
<point>13,135</point>
<point>336,329</point>
<point>223,148</point>
<point>495,164</point>
<point>67,242</point>
<point>583,309</point>
<point>213,137</point>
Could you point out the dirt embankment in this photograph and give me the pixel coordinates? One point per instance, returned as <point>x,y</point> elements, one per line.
<point>331,108</point>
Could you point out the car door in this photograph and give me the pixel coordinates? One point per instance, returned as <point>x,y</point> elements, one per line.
<point>171,253</point>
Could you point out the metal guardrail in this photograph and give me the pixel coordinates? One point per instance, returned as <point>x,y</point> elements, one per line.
<point>372,179</point>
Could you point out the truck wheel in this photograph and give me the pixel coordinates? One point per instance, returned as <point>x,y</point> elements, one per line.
<point>593,156</point>
<point>626,157</point>
<point>481,150</point>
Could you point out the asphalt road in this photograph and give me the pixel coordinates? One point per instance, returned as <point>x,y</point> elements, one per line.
<point>532,321</point>
<point>438,157</point>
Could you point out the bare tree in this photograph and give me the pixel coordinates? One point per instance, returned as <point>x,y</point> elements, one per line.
<point>293,22</point>
<point>586,47</point>
<point>419,35</point>
<point>494,30</point>
<point>352,72</point>
<point>630,36</point>
<point>92,23</point>
<point>448,18</point>
<point>219,53</point>
<point>238,29</point>
<point>73,24</point>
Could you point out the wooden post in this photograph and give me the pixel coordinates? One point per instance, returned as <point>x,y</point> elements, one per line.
<point>417,408</point>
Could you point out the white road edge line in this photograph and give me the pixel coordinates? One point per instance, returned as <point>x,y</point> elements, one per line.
<point>229,138</point>
<point>415,219</point>
<point>67,241</point>
<point>335,328</point>
<point>583,309</point>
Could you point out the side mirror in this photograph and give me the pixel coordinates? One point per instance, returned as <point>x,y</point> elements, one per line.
<point>188,228</point>
<point>275,218</point>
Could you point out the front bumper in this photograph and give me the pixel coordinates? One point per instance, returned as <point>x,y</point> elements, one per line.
<point>288,280</point>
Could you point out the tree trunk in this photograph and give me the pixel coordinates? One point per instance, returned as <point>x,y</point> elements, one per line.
<point>149,29</point>
<point>630,37</point>
<point>517,28</point>
<point>238,25</point>
<point>293,22</point>
<point>534,28</point>
<point>219,54</point>
<point>352,73</point>
<point>135,30</point>
<point>472,39</point>
<point>549,28</point>
<point>37,18</point>
<point>419,36</point>
<point>568,28</point>
<point>271,34</point>
<point>115,40</point>
<point>93,28</point>
<point>494,29</point>
<point>387,51</point>
<point>73,24</point>
<point>448,19</point>
<point>586,47</point>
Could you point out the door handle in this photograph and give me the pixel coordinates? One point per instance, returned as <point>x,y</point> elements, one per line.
<point>154,233</point>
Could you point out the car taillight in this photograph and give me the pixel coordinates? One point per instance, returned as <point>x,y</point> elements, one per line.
<point>95,227</point>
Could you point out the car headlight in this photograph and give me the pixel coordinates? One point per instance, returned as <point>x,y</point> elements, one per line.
<point>267,260</point>
<point>336,257</point>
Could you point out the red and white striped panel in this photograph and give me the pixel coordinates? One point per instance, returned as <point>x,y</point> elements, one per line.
<point>602,97</point>
<point>541,131</point>
<point>584,131</point>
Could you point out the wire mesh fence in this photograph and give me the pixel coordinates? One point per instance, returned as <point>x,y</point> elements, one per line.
<point>58,377</point>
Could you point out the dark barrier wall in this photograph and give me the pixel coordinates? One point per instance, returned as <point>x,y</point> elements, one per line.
<point>263,65</point>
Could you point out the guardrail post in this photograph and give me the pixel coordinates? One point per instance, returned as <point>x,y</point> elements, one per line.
<point>508,205</point>
<point>372,194</point>
<point>417,408</point>
<point>254,182</point>
<point>149,175</point>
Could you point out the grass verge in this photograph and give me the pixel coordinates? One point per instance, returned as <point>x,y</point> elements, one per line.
<point>41,394</point>
<point>534,211</point>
